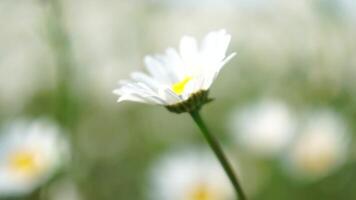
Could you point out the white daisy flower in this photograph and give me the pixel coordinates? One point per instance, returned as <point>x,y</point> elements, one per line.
<point>189,175</point>
<point>177,77</point>
<point>30,153</point>
<point>264,129</point>
<point>320,148</point>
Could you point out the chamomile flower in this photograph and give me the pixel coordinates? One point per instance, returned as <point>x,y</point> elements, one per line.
<point>320,148</point>
<point>30,153</point>
<point>179,79</point>
<point>189,175</point>
<point>264,129</point>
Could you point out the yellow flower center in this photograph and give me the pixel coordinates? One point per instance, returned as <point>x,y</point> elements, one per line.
<point>24,162</point>
<point>202,193</point>
<point>319,163</point>
<point>179,87</point>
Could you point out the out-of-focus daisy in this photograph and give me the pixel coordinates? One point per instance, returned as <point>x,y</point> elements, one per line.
<point>30,153</point>
<point>321,146</point>
<point>264,129</point>
<point>177,77</point>
<point>189,175</point>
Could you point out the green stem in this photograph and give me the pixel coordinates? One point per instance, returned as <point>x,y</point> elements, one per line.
<point>220,154</point>
<point>58,38</point>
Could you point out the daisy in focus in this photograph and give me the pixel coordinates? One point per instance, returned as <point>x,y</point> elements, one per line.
<point>189,175</point>
<point>264,129</point>
<point>30,154</point>
<point>320,148</point>
<point>179,79</point>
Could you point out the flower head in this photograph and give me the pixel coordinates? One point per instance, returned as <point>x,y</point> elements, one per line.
<point>320,147</point>
<point>189,175</point>
<point>265,129</point>
<point>30,152</point>
<point>177,76</point>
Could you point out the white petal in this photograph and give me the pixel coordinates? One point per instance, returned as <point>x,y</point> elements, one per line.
<point>193,86</point>
<point>223,43</point>
<point>226,60</point>
<point>139,92</point>
<point>214,46</point>
<point>135,98</point>
<point>171,66</point>
<point>149,81</point>
<point>140,99</point>
<point>170,97</point>
<point>173,61</point>
<point>214,72</point>
<point>139,88</point>
<point>157,70</point>
<point>188,48</point>
<point>173,56</point>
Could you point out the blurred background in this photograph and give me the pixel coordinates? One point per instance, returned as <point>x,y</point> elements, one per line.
<point>285,107</point>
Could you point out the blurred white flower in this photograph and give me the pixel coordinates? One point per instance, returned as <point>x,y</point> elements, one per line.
<point>189,175</point>
<point>320,148</point>
<point>265,129</point>
<point>30,153</point>
<point>174,77</point>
